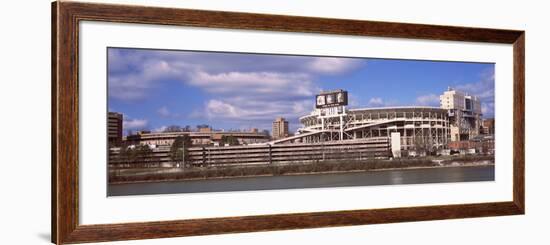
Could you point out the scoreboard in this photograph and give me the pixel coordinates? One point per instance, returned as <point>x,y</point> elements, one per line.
<point>331,99</point>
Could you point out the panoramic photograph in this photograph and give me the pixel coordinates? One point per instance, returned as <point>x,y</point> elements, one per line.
<point>183,121</point>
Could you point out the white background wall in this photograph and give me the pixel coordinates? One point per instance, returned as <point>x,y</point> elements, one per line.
<point>25,122</point>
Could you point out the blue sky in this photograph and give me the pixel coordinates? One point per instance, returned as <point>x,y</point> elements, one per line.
<point>158,88</point>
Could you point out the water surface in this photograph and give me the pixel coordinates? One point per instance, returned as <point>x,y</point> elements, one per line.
<point>371,178</point>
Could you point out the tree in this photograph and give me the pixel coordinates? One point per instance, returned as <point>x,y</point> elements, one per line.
<point>124,153</point>
<point>135,154</point>
<point>230,140</point>
<point>203,126</point>
<point>129,132</point>
<point>173,128</point>
<point>423,145</point>
<point>179,147</point>
<point>143,153</point>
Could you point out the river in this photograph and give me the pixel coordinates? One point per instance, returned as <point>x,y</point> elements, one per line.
<point>384,177</point>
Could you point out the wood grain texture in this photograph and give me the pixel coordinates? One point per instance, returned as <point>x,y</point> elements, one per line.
<point>235,20</point>
<point>54,123</point>
<point>195,227</point>
<point>65,124</point>
<point>519,122</point>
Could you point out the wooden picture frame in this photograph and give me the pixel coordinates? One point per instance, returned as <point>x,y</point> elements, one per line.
<point>65,121</point>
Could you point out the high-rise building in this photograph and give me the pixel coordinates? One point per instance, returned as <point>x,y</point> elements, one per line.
<point>114,128</point>
<point>280,128</point>
<point>464,114</point>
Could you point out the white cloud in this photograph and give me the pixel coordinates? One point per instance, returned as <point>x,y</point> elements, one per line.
<point>484,89</point>
<point>160,129</point>
<point>353,100</point>
<point>376,101</point>
<point>255,96</point>
<point>329,65</point>
<point>165,112</point>
<point>133,75</point>
<point>127,88</point>
<point>255,83</point>
<point>259,111</point>
<point>488,109</point>
<point>220,109</point>
<point>133,124</point>
<point>428,100</point>
<point>242,88</point>
<point>379,102</point>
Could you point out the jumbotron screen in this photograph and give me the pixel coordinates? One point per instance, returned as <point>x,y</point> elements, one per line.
<point>331,99</point>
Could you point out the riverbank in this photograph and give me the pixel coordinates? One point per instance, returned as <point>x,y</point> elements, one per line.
<point>426,175</point>
<point>145,175</point>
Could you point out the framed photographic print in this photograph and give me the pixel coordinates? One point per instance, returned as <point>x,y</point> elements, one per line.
<point>176,122</point>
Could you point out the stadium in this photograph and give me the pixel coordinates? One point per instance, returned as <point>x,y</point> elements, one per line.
<point>417,127</point>
<point>428,126</point>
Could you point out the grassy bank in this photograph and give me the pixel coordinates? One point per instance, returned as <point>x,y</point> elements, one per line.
<point>173,174</point>
<point>164,174</point>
